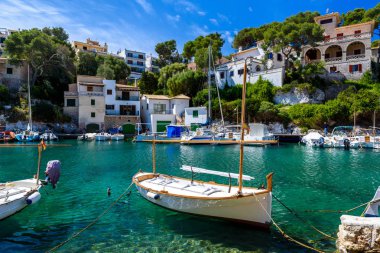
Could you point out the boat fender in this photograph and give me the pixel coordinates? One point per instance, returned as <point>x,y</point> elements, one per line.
<point>33,198</point>
<point>346,144</point>
<point>153,195</point>
<point>321,142</point>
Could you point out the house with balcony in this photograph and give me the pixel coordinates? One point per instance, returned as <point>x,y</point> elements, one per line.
<point>122,104</point>
<point>158,111</point>
<point>136,61</point>
<point>346,50</point>
<point>101,103</point>
<point>231,72</point>
<point>90,46</point>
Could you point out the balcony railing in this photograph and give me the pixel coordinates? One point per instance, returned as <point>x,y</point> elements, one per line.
<point>333,59</point>
<point>347,37</point>
<point>161,111</point>
<point>70,93</point>
<point>91,93</point>
<point>131,98</point>
<point>114,113</point>
<point>354,57</point>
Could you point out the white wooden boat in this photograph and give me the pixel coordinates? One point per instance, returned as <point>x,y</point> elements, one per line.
<point>313,139</point>
<point>117,137</point>
<point>87,137</point>
<point>48,136</point>
<point>102,136</point>
<point>235,203</point>
<point>16,195</point>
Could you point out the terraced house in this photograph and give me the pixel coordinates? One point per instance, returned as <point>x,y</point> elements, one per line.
<point>346,50</point>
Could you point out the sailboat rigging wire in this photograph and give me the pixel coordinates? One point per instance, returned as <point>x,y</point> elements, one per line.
<point>342,211</point>
<point>91,223</point>
<point>303,220</point>
<point>217,87</point>
<point>289,238</point>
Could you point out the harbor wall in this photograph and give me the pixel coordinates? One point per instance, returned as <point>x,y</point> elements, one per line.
<point>358,234</point>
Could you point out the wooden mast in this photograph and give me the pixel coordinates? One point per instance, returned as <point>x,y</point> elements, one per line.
<point>154,155</point>
<point>242,128</point>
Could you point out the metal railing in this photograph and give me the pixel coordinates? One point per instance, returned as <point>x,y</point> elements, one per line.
<point>91,93</point>
<point>333,59</point>
<point>71,93</point>
<point>355,56</point>
<point>131,98</point>
<point>346,37</point>
<point>161,111</point>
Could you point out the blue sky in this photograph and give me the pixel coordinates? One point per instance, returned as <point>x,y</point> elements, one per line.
<point>141,24</point>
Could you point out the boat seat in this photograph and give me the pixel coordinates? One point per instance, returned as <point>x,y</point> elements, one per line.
<point>214,191</point>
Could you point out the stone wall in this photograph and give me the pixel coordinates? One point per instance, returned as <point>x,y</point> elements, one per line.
<point>111,121</point>
<point>299,96</point>
<point>358,234</point>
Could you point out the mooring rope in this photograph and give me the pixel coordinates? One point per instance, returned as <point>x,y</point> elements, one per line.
<point>91,223</point>
<point>303,220</point>
<point>288,237</point>
<point>342,211</point>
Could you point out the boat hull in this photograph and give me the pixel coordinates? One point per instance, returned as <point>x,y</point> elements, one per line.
<point>251,209</point>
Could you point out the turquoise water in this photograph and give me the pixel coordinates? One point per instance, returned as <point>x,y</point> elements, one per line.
<point>304,179</point>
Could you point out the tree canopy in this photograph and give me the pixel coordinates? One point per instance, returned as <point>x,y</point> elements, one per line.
<point>361,15</point>
<point>148,83</point>
<point>196,48</point>
<point>168,71</point>
<point>167,53</point>
<point>188,82</point>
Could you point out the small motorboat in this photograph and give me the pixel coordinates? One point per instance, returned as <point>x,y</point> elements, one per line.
<point>28,136</point>
<point>48,136</point>
<point>103,136</point>
<point>7,136</point>
<point>117,137</point>
<point>87,137</point>
<point>313,139</point>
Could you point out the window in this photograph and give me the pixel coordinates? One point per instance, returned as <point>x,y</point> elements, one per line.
<point>332,69</point>
<point>110,107</point>
<point>109,92</point>
<point>327,38</point>
<point>90,88</point>
<point>84,48</point>
<point>9,71</point>
<point>92,115</point>
<point>339,36</point>
<point>129,54</point>
<point>141,56</point>
<point>140,63</point>
<point>326,21</point>
<point>92,101</point>
<point>258,69</point>
<point>357,51</point>
<point>70,102</point>
<point>195,114</point>
<point>355,68</point>
<point>339,54</point>
<point>279,57</point>
<point>221,75</point>
<point>130,62</point>
<point>357,33</point>
<point>240,71</point>
<point>270,56</point>
<point>159,108</point>
<point>147,106</point>
<point>231,73</point>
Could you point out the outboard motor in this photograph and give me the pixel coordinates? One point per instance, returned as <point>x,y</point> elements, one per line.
<point>53,172</point>
<point>346,144</point>
<point>321,142</point>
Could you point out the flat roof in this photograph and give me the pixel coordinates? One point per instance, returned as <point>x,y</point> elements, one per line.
<point>127,87</point>
<point>91,84</point>
<point>162,97</point>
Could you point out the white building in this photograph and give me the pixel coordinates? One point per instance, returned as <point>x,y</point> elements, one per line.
<point>136,61</point>
<point>195,115</point>
<point>158,111</point>
<point>4,33</point>
<point>93,100</point>
<point>231,73</point>
<point>151,64</point>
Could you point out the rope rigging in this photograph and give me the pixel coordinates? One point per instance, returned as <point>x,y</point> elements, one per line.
<point>93,222</point>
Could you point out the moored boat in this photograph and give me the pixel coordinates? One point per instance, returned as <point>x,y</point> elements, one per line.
<point>235,203</point>
<point>117,137</point>
<point>102,136</point>
<point>7,136</point>
<point>48,136</point>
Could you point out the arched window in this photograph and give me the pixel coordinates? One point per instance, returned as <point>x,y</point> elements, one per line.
<point>258,68</point>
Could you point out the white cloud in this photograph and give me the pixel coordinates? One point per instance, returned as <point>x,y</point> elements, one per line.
<point>228,36</point>
<point>175,18</point>
<point>250,9</point>
<point>146,6</point>
<point>224,18</point>
<point>201,13</point>
<point>214,21</point>
<point>197,30</point>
